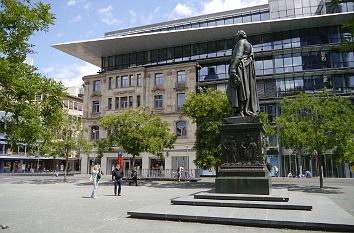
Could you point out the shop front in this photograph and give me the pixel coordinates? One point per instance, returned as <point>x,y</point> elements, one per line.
<point>36,164</point>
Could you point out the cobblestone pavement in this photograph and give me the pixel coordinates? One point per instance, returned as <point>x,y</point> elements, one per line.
<point>46,204</point>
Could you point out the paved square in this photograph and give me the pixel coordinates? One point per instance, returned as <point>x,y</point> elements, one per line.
<point>46,204</point>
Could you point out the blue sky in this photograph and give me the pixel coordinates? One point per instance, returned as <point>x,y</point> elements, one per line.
<point>89,19</point>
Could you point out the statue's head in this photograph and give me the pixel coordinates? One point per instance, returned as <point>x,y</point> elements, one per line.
<point>241,34</point>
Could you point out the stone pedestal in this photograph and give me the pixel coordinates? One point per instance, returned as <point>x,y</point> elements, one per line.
<point>243,155</point>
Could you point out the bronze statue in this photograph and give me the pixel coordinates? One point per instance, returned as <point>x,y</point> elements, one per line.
<point>241,90</point>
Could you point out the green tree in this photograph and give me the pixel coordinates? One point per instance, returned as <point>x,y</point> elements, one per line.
<point>207,109</point>
<point>314,124</point>
<point>139,130</point>
<point>31,102</point>
<point>69,141</point>
<point>102,145</point>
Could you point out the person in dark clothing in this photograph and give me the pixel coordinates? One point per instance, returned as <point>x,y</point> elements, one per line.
<point>117,177</point>
<point>134,177</point>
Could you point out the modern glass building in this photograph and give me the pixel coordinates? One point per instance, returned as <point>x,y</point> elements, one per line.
<point>296,45</point>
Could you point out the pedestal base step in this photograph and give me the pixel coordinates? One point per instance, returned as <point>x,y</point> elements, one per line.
<point>243,197</point>
<point>240,204</point>
<point>325,215</point>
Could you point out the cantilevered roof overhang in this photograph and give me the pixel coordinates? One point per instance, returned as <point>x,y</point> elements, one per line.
<point>92,50</point>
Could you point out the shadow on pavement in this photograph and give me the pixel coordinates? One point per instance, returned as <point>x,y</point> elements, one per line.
<point>182,185</point>
<point>309,189</point>
<point>44,181</point>
<point>158,184</point>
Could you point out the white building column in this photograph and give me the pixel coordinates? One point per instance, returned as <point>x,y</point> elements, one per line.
<point>84,163</point>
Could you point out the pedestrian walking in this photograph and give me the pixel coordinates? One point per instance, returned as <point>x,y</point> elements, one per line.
<point>94,179</point>
<point>117,177</point>
<point>179,173</point>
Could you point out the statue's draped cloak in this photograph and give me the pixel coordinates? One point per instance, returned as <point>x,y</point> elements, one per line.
<point>242,63</point>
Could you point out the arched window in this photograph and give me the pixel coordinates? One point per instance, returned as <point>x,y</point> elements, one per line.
<point>181,128</point>
<point>95,132</point>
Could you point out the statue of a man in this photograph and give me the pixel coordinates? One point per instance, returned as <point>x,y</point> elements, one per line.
<point>242,91</point>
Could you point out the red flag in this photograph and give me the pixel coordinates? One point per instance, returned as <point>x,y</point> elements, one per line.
<point>120,159</point>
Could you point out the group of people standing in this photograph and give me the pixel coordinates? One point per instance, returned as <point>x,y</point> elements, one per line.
<point>117,177</point>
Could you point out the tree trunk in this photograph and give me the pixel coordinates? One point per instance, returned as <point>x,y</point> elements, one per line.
<point>133,165</point>
<point>320,161</point>
<point>66,163</point>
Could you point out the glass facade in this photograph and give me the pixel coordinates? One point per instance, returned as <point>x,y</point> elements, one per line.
<point>294,39</point>
<point>240,17</point>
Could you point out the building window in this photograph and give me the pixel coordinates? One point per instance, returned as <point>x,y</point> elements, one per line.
<point>124,102</point>
<point>70,105</point>
<point>109,103</point>
<point>110,80</point>
<point>138,100</point>
<point>96,85</point>
<point>181,130</point>
<point>181,78</point>
<point>109,132</point>
<point>95,106</point>
<point>139,80</point>
<point>125,81</point>
<point>180,101</point>
<point>272,141</point>
<point>158,101</point>
<point>75,105</point>
<point>80,107</point>
<point>118,83</point>
<point>159,79</point>
<point>131,80</point>
<point>95,133</point>
<point>130,101</point>
<point>117,103</point>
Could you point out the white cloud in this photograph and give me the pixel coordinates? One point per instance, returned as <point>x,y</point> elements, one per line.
<point>225,5</point>
<point>71,3</point>
<point>183,10</point>
<point>106,16</point>
<point>75,19</point>
<point>87,6</point>
<point>70,75</point>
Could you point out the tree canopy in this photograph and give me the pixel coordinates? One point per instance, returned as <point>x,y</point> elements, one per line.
<point>317,123</point>
<point>139,130</point>
<point>32,103</point>
<point>207,109</point>
<point>69,141</point>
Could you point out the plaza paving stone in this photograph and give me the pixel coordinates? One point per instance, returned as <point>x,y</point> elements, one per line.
<point>46,204</point>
